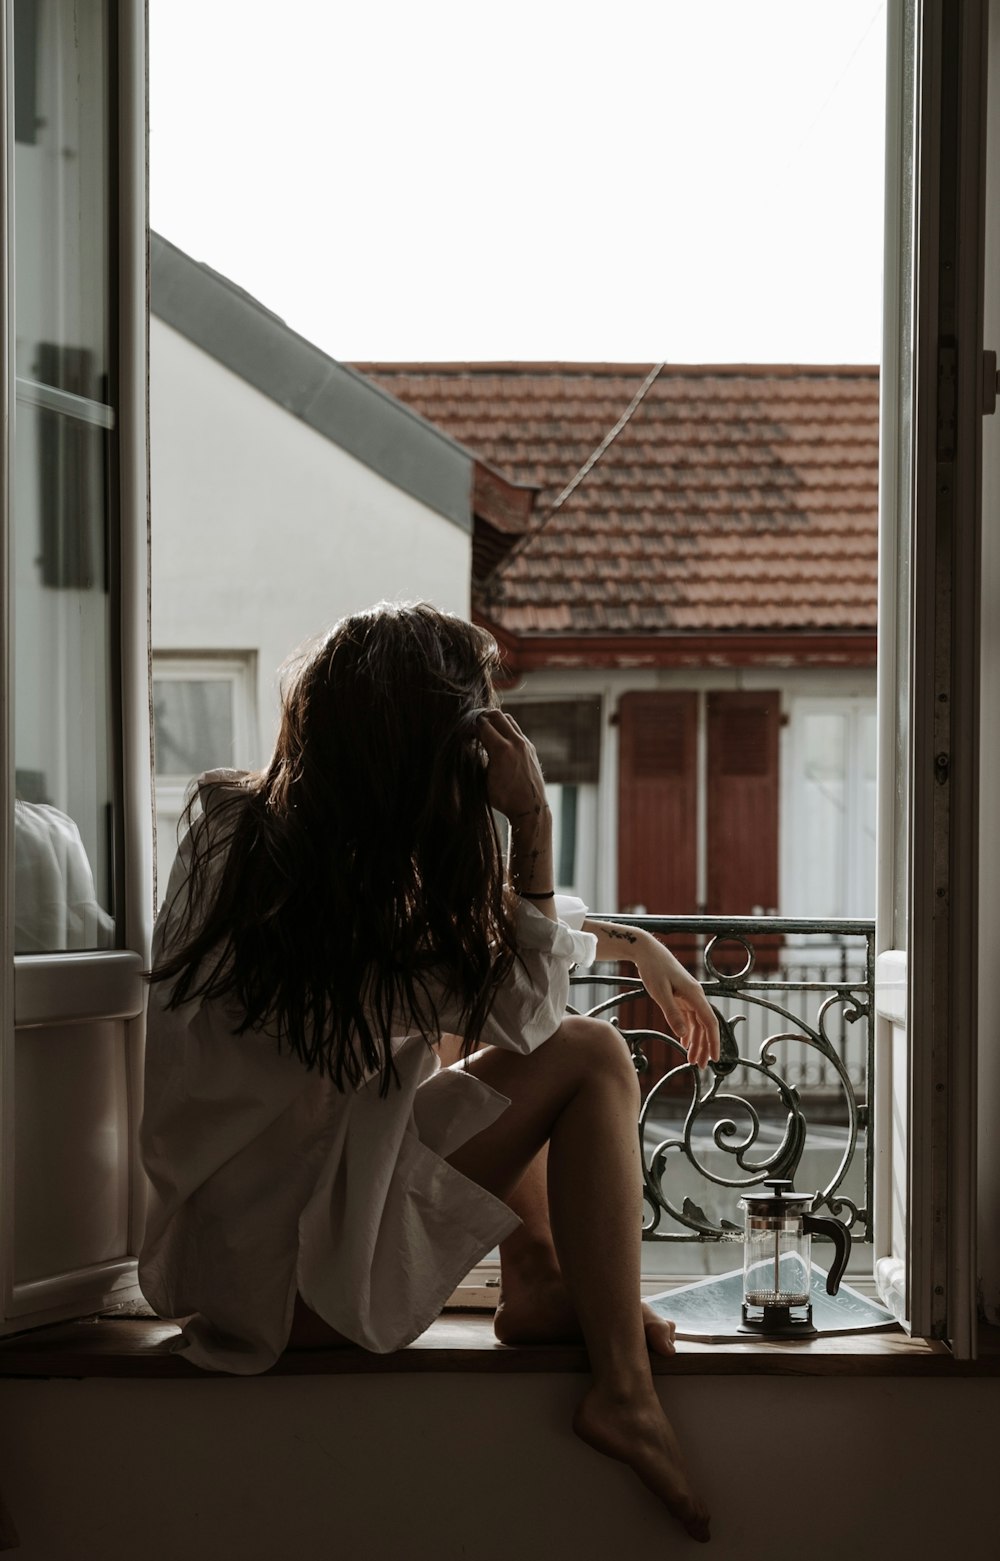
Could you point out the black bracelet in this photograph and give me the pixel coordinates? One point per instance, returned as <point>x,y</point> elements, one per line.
<point>549,894</point>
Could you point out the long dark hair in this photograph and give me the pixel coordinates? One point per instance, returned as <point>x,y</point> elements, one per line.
<point>329,894</point>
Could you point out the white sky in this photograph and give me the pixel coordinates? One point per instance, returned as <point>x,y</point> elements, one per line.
<point>695,180</point>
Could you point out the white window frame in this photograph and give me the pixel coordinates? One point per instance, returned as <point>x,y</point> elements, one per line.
<point>239,670</point>
<point>924,1108</point>
<point>87,994</point>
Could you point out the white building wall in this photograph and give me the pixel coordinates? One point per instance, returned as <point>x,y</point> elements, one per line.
<point>264,532</point>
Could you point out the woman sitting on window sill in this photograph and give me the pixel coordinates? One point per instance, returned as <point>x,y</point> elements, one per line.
<point>315,1172</point>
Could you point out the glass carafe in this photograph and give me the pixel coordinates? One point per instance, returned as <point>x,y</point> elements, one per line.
<point>777,1260</point>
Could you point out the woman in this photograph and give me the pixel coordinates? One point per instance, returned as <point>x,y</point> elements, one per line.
<point>316,1175</point>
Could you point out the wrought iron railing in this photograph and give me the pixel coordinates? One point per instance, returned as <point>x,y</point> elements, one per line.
<point>789,1095</point>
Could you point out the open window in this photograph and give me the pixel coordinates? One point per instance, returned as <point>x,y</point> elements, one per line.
<point>929,649</point>
<point>76,737</point>
<point>75,784</point>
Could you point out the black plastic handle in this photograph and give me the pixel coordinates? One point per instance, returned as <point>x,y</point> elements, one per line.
<point>826,1225</point>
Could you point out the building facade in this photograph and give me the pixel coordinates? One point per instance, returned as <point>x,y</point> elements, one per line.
<point>287,491</point>
<point>692,612</point>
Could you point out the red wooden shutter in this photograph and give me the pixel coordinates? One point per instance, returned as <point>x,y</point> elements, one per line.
<point>657,829</point>
<point>658,803</point>
<point>742,821</point>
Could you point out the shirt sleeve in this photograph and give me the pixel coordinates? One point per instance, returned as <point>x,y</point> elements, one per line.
<point>574,913</point>
<point>531,1003</point>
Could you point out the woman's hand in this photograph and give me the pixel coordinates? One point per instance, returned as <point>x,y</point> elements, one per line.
<point>681,998</point>
<point>515,787</point>
<point>514,781</point>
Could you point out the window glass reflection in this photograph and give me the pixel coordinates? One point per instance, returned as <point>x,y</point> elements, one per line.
<point>62,539</point>
<point>61,194</point>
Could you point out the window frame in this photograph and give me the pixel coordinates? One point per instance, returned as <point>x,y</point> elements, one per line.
<point>924,1108</point>
<point>236,667</point>
<point>239,670</point>
<point>92,993</point>
<point>940,960</point>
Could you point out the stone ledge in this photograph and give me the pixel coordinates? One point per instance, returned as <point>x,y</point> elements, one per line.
<point>144,1347</point>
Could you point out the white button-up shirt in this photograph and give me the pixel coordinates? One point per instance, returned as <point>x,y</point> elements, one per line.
<point>267,1180</point>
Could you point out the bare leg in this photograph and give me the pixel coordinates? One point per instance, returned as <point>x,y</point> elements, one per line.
<point>534,1305</point>
<point>579,1092</point>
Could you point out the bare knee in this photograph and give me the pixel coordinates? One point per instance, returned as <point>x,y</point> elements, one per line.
<point>595,1049</point>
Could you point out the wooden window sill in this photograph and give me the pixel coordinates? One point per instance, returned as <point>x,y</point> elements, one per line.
<point>142,1347</point>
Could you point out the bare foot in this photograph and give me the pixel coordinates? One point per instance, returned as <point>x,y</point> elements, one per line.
<point>543,1314</point>
<point>639,1434</point>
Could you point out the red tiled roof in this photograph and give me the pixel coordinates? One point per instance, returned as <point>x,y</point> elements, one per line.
<point>733,499</point>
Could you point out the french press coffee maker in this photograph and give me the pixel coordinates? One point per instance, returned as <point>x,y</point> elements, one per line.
<point>777,1267</point>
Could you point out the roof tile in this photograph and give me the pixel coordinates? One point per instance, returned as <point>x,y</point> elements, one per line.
<point>733,499</point>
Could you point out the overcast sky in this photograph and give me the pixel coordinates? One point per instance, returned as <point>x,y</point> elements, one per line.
<point>690,180</point>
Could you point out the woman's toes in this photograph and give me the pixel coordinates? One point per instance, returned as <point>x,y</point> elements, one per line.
<point>698,1529</point>
<point>661,1332</point>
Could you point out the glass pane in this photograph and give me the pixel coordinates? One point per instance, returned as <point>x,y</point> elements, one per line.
<point>900,331</point>
<point>868,738</point>
<point>63,749</point>
<point>193,721</point>
<point>61,161</point>
<point>64,732</point>
<point>566,735</point>
<point>824,800</point>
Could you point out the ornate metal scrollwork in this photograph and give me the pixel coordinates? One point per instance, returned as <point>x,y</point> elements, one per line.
<point>744,1120</point>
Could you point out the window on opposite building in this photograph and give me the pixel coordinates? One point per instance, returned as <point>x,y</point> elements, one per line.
<point>203,719</point>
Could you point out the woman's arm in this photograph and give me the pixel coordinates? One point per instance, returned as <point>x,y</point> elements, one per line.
<point>516,789</point>
<point>681,998</point>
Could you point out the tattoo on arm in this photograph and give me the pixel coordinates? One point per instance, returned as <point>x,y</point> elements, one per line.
<point>620,936</point>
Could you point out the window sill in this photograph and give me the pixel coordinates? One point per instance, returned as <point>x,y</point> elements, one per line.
<point>142,1347</point>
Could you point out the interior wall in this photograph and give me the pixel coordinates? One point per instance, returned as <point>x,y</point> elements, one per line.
<point>373,1468</point>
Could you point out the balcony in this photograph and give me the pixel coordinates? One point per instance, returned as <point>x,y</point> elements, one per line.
<point>789,1096</point>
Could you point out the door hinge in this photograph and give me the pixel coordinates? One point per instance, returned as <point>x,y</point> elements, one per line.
<point>991,383</point>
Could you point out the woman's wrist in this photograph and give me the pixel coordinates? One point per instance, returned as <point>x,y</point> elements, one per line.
<point>530,846</point>
<point>617,942</point>
<point>532,869</point>
<point>530,821</point>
